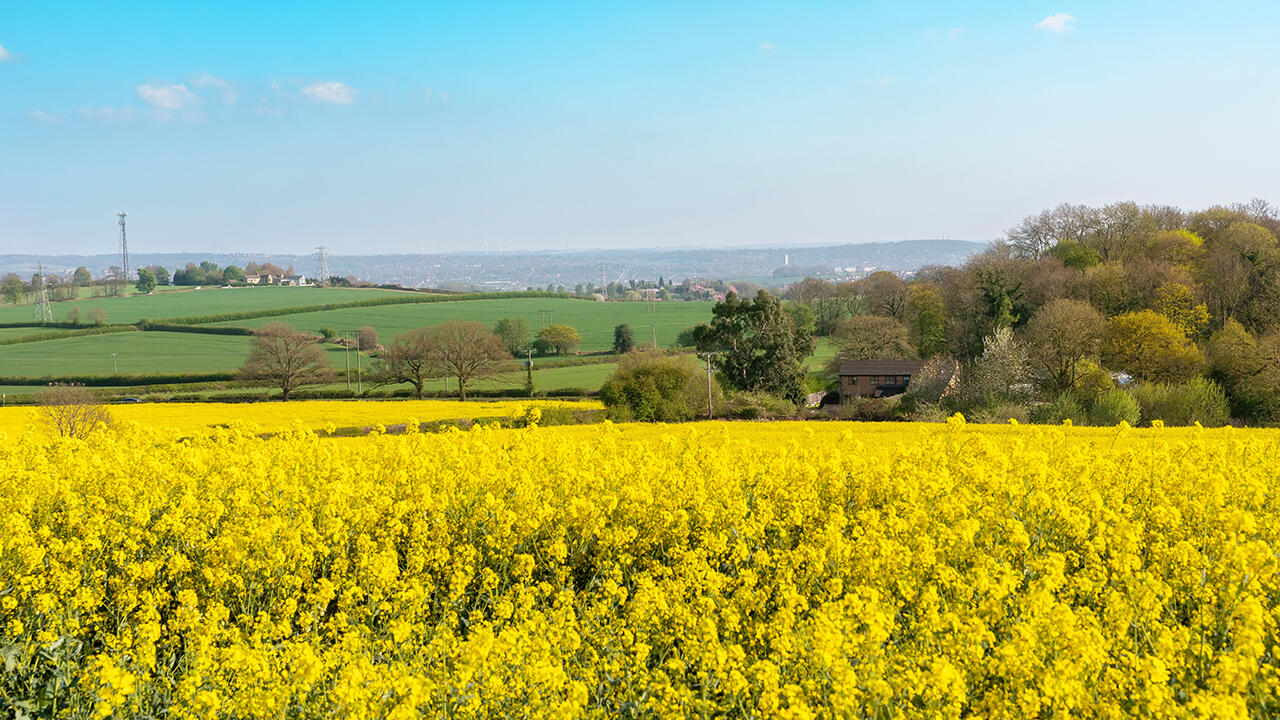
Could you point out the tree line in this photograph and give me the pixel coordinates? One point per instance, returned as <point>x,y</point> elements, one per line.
<point>1076,302</point>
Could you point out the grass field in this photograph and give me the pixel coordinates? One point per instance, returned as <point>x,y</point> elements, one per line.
<point>188,302</point>
<point>136,353</point>
<point>143,353</point>
<point>593,320</point>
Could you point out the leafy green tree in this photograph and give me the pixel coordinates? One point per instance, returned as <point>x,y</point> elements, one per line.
<point>1174,301</point>
<point>760,348</point>
<point>73,315</point>
<point>146,281</point>
<point>624,341</point>
<point>562,338</point>
<point>161,273</point>
<point>514,332</point>
<point>1150,347</point>
<point>13,289</point>
<point>1249,370</point>
<point>231,273</point>
<point>927,319</point>
<point>82,277</point>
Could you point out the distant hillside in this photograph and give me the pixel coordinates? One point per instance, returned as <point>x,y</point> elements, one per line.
<point>521,269</point>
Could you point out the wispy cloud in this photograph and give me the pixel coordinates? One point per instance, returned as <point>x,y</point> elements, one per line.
<point>107,114</point>
<point>205,80</point>
<point>332,92</point>
<point>1057,23</point>
<point>168,97</point>
<point>44,117</point>
<point>768,45</point>
<point>5,54</point>
<point>955,32</point>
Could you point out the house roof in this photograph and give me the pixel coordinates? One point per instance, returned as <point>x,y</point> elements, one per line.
<point>880,367</point>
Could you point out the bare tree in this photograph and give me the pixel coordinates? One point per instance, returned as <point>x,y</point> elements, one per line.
<point>468,350</point>
<point>1060,337</point>
<point>286,358</point>
<point>72,410</point>
<point>367,337</point>
<point>410,358</point>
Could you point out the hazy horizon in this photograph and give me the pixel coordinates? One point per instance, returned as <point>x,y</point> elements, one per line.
<point>405,128</point>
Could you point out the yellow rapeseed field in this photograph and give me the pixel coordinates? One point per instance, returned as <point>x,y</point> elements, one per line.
<point>313,414</point>
<point>705,570</point>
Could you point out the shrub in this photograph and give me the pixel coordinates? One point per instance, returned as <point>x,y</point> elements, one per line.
<point>1198,400</point>
<point>1063,406</point>
<point>759,406</point>
<point>1112,407</point>
<point>999,412</point>
<point>656,388</point>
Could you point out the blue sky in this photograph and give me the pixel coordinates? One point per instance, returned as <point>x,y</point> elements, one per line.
<point>419,126</point>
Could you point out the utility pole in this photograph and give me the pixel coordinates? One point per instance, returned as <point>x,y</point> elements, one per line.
<point>654,327</point>
<point>346,354</point>
<point>115,369</point>
<point>124,247</point>
<point>710,409</point>
<point>528,372</point>
<point>545,318</point>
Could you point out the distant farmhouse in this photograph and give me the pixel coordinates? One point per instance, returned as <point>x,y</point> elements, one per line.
<point>290,280</point>
<point>876,378</point>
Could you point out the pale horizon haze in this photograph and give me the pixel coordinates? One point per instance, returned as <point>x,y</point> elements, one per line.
<point>404,127</point>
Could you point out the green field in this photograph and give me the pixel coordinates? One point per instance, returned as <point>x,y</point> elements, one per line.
<point>145,353</point>
<point>593,320</point>
<point>136,353</point>
<point>188,302</point>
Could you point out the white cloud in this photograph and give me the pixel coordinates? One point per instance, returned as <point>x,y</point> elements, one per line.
<point>1057,23</point>
<point>768,45</point>
<point>106,113</point>
<point>885,80</point>
<point>44,117</point>
<point>955,32</point>
<point>332,92</point>
<point>5,54</point>
<point>167,97</point>
<point>205,80</point>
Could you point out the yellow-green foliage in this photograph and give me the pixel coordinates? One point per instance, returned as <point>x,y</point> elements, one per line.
<point>757,570</point>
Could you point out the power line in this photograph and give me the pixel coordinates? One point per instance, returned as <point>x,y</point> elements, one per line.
<point>43,313</point>
<point>322,260</point>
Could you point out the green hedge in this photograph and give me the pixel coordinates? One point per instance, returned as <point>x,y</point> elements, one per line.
<point>120,380</point>
<point>81,331</point>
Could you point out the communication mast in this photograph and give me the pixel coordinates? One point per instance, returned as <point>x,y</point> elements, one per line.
<point>322,271</point>
<point>43,313</point>
<point>124,248</point>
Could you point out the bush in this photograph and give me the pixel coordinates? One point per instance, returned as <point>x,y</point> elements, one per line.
<point>998,413</point>
<point>1112,407</point>
<point>656,388</point>
<point>759,406</point>
<point>1196,401</point>
<point>870,409</point>
<point>1063,406</point>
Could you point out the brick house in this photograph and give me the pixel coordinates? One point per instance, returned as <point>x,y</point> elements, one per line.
<point>876,378</point>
